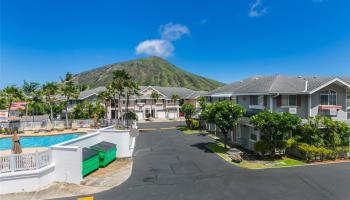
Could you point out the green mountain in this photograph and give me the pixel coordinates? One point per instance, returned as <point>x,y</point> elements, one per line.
<point>148,71</point>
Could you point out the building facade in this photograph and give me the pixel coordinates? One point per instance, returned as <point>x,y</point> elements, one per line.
<point>165,107</point>
<point>301,96</point>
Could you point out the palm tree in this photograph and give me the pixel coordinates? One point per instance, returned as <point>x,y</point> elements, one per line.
<point>132,88</point>
<point>105,96</point>
<point>154,96</point>
<point>11,94</point>
<point>36,101</point>
<point>69,91</point>
<point>120,80</point>
<point>50,90</point>
<point>174,98</point>
<point>29,88</point>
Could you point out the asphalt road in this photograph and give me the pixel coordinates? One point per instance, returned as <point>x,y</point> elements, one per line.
<point>171,165</point>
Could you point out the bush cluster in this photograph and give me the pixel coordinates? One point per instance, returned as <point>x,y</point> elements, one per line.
<point>312,152</point>
<point>194,124</point>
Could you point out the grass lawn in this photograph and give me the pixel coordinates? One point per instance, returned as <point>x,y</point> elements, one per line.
<point>219,149</point>
<point>187,131</point>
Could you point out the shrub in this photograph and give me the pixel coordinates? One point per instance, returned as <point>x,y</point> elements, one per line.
<point>291,143</point>
<point>130,116</point>
<point>312,152</point>
<point>263,147</point>
<point>194,124</point>
<point>148,115</point>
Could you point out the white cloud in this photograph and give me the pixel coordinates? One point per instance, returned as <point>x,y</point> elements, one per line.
<point>172,31</point>
<point>256,9</point>
<point>161,48</point>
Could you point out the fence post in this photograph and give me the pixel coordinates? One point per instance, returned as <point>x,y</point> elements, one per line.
<point>13,162</point>
<point>36,159</point>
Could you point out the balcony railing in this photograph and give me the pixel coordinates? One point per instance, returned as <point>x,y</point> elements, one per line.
<point>25,162</point>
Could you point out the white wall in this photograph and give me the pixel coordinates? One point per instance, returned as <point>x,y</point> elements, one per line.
<point>67,156</point>
<point>26,181</point>
<point>66,161</point>
<point>68,164</point>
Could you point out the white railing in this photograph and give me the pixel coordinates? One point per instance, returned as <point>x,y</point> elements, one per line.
<point>24,162</point>
<point>84,123</point>
<point>30,125</point>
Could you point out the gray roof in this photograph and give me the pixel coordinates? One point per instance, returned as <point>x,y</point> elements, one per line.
<point>85,94</point>
<point>275,84</point>
<point>170,91</point>
<point>196,94</point>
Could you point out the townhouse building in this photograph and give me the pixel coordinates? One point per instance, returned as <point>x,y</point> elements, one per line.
<point>301,96</point>
<point>143,105</point>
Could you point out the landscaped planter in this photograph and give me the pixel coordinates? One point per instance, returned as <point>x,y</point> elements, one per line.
<point>107,152</point>
<point>91,161</point>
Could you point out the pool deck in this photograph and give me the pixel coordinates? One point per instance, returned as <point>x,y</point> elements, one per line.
<point>24,150</point>
<point>45,133</point>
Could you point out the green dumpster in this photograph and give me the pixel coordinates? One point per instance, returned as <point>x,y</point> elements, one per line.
<point>91,161</point>
<point>107,152</point>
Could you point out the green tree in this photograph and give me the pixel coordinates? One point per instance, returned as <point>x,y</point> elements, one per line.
<point>105,97</point>
<point>201,101</point>
<point>310,132</point>
<point>188,110</point>
<point>132,89</point>
<point>225,115</point>
<point>335,133</point>
<point>3,102</point>
<point>37,103</point>
<point>69,91</point>
<point>154,96</point>
<point>174,98</point>
<point>50,90</point>
<point>11,94</point>
<point>119,82</point>
<point>275,127</point>
<point>29,88</point>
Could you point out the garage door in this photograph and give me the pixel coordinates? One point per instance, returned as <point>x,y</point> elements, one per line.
<point>161,114</point>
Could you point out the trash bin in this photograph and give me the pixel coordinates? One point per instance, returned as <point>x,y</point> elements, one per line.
<point>107,152</point>
<point>91,161</point>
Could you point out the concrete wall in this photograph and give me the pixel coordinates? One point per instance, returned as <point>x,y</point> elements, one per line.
<point>67,161</point>
<point>26,181</point>
<point>67,156</point>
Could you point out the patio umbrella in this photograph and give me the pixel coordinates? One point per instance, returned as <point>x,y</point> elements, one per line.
<point>16,145</point>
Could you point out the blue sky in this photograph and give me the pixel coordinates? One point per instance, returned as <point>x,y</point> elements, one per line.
<point>223,40</point>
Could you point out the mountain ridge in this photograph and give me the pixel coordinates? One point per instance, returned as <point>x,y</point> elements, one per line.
<point>148,71</point>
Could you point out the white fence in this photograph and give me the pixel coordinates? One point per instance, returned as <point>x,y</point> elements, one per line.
<point>23,162</point>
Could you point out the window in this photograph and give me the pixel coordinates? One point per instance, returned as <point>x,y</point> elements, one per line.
<point>254,100</point>
<point>253,137</point>
<point>289,100</point>
<point>328,97</point>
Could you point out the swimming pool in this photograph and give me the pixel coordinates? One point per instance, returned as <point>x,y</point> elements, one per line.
<point>38,141</point>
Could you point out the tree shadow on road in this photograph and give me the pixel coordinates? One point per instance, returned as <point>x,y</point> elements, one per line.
<point>203,146</point>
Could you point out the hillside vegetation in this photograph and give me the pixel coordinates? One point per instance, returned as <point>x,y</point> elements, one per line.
<point>148,71</point>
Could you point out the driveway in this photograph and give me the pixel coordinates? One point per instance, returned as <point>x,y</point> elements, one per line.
<point>171,165</point>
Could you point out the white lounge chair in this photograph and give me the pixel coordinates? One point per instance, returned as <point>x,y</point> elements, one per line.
<point>74,126</point>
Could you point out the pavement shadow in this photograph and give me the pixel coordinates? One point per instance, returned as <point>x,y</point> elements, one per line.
<point>203,146</point>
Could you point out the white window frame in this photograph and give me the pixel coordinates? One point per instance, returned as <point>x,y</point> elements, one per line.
<point>288,100</point>
<point>329,93</point>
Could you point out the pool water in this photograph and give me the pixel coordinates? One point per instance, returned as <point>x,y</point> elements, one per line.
<point>38,141</point>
